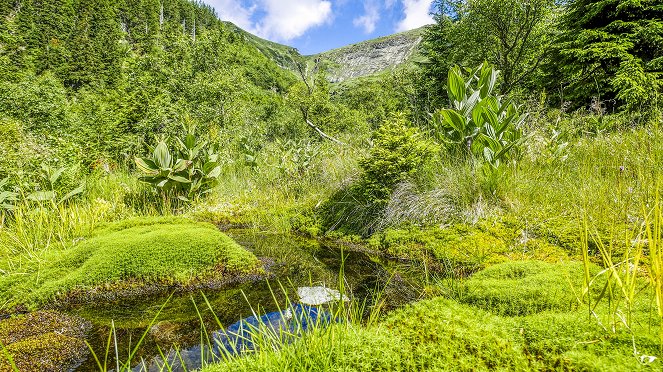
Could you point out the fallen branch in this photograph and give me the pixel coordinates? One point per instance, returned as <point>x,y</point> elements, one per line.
<point>320,132</point>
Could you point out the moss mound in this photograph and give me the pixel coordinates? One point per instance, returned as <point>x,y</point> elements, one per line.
<point>524,287</point>
<point>143,250</point>
<point>465,249</point>
<point>573,341</point>
<point>443,335</point>
<point>42,341</point>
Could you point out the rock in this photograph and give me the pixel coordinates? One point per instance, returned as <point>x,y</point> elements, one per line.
<point>315,296</point>
<point>165,332</point>
<point>371,57</point>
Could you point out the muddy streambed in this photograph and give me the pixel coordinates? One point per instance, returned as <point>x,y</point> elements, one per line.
<point>293,262</point>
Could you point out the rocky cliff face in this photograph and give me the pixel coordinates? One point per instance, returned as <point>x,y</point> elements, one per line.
<point>370,57</point>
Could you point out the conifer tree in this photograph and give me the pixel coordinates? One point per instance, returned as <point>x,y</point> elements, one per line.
<point>610,51</point>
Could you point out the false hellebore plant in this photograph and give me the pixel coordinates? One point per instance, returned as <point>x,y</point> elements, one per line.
<point>480,123</point>
<point>190,170</point>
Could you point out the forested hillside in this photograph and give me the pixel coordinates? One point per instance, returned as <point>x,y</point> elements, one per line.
<point>94,81</point>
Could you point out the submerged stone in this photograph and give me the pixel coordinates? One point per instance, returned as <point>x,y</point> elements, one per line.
<point>315,296</point>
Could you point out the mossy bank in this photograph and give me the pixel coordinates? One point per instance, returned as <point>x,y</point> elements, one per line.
<point>134,253</point>
<point>515,316</point>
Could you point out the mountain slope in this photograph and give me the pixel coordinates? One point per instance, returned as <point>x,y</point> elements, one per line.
<point>370,57</point>
<point>349,62</point>
<point>284,56</point>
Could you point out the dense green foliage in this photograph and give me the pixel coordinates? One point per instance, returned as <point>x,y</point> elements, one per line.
<point>399,152</point>
<point>610,51</point>
<point>512,35</point>
<point>600,54</point>
<point>161,250</point>
<point>98,82</point>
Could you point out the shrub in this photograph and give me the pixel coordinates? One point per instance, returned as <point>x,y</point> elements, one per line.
<point>398,153</point>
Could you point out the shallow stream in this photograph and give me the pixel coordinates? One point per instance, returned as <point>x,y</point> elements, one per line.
<point>294,262</point>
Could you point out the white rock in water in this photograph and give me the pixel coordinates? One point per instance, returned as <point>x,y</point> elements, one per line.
<point>314,296</point>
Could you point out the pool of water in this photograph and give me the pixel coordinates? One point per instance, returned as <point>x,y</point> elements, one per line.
<point>186,320</point>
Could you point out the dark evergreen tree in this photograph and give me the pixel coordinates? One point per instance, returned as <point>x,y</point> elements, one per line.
<point>13,56</point>
<point>610,51</point>
<point>96,48</point>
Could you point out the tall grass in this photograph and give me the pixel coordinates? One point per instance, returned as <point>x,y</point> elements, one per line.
<point>653,224</point>
<point>35,228</point>
<point>630,278</point>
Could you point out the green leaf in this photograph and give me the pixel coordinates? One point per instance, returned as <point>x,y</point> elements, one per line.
<point>147,166</point>
<point>8,196</point>
<point>41,196</point>
<point>215,173</point>
<point>79,190</point>
<point>162,157</point>
<point>55,176</point>
<point>488,80</point>
<point>181,165</point>
<point>456,85</point>
<point>453,120</point>
<point>490,117</point>
<point>179,179</point>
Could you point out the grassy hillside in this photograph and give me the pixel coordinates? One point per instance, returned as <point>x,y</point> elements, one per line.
<point>284,56</point>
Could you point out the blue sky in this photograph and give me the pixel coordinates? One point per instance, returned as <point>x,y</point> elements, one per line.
<point>313,26</point>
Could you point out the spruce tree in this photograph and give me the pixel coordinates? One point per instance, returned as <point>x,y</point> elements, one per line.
<point>610,51</point>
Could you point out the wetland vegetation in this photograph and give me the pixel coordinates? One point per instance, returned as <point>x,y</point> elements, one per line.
<point>493,202</point>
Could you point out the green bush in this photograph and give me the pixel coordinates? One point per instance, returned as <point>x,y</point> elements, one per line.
<point>142,250</point>
<point>398,153</point>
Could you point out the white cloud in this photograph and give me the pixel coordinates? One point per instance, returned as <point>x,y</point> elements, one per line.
<point>288,19</point>
<point>370,17</point>
<point>235,12</point>
<point>279,20</point>
<point>417,14</point>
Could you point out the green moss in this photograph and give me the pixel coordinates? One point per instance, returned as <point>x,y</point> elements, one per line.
<point>142,250</point>
<point>443,335</point>
<point>43,341</point>
<point>464,248</point>
<point>526,287</point>
<point>572,341</point>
